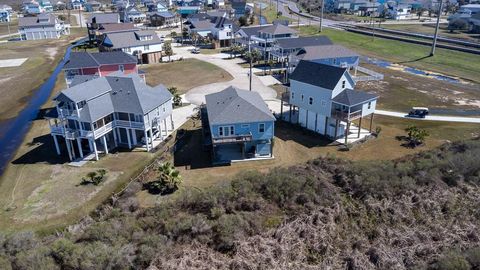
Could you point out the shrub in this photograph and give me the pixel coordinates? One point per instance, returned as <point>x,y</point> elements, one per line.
<point>94,178</point>
<point>452,261</point>
<point>168,181</point>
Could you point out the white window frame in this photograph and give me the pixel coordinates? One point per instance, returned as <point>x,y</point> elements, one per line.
<point>260,127</point>
<point>225,131</point>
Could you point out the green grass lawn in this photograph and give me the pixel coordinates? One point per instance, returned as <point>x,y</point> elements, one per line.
<point>459,64</point>
<point>185,74</point>
<point>430,29</point>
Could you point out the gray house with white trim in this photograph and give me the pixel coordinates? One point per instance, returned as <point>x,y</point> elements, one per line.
<point>103,113</point>
<point>322,99</point>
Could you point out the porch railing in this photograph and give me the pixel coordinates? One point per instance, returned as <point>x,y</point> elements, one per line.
<point>342,115</point>
<point>232,139</point>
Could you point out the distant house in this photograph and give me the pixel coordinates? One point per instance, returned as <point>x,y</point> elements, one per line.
<point>285,47</point>
<point>335,55</point>
<point>144,44</point>
<point>465,12</point>
<point>92,6</point>
<point>218,3</point>
<point>5,13</point>
<point>44,26</point>
<point>474,23</point>
<point>104,113</point>
<point>99,64</point>
<point>398,12</point>
<point>133,14</point>
<point>239,7</point>
<point>159,19</point>
<point>324,101</point>
<point>187,10</point>
<point>266,37</point>
<point>220,29</point>
<point>237,125</point>
<point>31,8</point>
<point>97,21</point>
<point>45,6</point>
<point>76,4</point>
<point>157,7</point>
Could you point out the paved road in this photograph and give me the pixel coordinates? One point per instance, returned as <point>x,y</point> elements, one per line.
<point>431,117</point>
<point>239,74</point>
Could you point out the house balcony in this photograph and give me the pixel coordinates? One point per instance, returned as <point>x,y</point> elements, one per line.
<point>70,134</point>
<point>65,112</point>
<point>233,139</point>
<point>345,115</point>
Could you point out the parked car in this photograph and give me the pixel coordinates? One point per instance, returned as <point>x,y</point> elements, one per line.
<point>195,50</point>
<point>419,112</point>
<point>155,134</point>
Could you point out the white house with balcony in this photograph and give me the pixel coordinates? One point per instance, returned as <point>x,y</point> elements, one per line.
<point>266,37</point>
<point>44,26</point>
<point>322,99</point>
<point>104,113</point>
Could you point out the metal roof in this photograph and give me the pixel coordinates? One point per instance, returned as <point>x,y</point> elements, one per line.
<point>351,97</point>
<point>233,105</point>
<point>40,20</point>
<point>325,76</point>
<point>278,29</point>
<point>104,18</point>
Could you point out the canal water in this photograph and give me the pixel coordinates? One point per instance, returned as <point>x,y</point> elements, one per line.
<point>13,131</point>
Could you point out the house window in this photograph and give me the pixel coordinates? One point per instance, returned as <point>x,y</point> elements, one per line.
<point>121,68</point>
<point>83,102</point>
<point>293,95</point>
<point>343,84</point>
<point>334,61</point>
<point>310,101</point>
<point>369,105</point>
<point>261,127</point>
<point>146,47</point>
<point>220,131</point>
<point>302,97</point>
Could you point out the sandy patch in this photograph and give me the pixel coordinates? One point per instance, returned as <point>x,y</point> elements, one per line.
<point>51,52</point>
<point>468,102</point>
<point>12,62</point>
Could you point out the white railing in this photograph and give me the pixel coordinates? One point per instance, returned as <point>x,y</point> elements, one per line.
<point>67,112</point>
<point>372,75</point>
<point>70,133</point>
<point>130,124</point>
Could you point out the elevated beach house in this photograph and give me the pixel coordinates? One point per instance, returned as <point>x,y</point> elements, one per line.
<point>108,112</point>
<point>238,125</point>
<point>322,99</point>
<point>145,45</point>
<point>99,64</point>
<point>44,26</point>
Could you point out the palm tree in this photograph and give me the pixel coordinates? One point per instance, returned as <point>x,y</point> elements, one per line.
<point>168,181</point>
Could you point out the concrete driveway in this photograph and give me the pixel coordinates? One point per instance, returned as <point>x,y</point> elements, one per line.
<point>239,74</point>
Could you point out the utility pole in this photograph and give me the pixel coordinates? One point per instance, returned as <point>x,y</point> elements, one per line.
<point>434,44</point>
<point>181,28</point>
<point>79,16</point>
<point>250,75</point>
<point>321,15</point>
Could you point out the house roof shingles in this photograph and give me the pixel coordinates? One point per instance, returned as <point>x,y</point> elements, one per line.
<point>327,51</point>
<point>130,39</point>
<point>300,42</point>
<point>41,20</point>
<point>325,76</point>
<point>104,18</point>
<point>278,29</point>
<point>105,95</point>
<point>351,97</point>
<point>87,59</point>
<point>233,105</point>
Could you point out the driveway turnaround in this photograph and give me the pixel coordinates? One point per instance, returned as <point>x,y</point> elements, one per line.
<point>431,117</point>
<point>240,77</point>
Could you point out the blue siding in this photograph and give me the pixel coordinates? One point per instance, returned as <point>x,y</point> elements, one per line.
<point>242,129</point>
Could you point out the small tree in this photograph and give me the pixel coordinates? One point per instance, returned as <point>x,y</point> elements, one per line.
<point>94,177</point>
<point>173,34</point>
<point>242,21</point>
<point>416,136</point>
<point>167,47</point>
<point>168,181</point>
<point>252,19</point>
<point>177,99</point>
<point>253,56</point>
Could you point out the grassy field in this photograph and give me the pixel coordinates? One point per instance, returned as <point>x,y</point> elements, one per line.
<point>185,74</point>
<point>430,29</point>
<point>13,27</point>
<point>458,64</point>
<point>18,83</point>
<point>39,191</point>
<point>400,91</point>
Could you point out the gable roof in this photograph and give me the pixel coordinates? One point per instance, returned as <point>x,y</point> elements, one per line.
<point>278,29</point>
<point>130,39</point>
<point>300,42</point>
<point>321,75</point>
<point>351,97</point>
<point>116,27</point>
<point>119,93</point>
<point>252,30</point>
<point>104,18</point>
<point>327,51</point>
<point>233,105</point>
<point>87,59</point>
<point>40,20</point>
